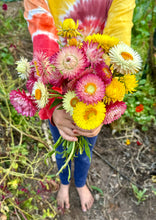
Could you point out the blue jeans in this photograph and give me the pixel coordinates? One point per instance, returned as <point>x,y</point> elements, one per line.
<point>81,161</point>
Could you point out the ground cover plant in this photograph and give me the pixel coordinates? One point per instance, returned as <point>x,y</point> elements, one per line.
<point>123,172</point>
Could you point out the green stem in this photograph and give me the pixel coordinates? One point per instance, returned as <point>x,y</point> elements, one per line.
<point>67,161</point>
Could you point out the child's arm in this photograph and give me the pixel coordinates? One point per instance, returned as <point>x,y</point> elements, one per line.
<point>41,26</point>
<point>44,36</point>
<point>119,22</point>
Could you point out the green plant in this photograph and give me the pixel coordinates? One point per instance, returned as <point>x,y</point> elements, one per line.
<point>144,23</point>
<point>145,95</point>
<point>139,194</point>
<point>22,145</point>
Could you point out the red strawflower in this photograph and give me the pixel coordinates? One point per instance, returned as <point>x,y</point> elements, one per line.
<point>12,46</point>
<point>139,108</point>
<point>139,143</point>
<point>5,7</point>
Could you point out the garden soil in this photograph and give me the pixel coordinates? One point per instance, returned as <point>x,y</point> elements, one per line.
<point>115,167</point>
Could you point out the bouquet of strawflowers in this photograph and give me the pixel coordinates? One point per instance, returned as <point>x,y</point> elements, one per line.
<point>94,74</point>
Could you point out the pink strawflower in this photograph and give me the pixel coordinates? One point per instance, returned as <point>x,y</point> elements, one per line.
<point>72,83</point>
<point>23,102</point>
<point>70,61</point>
<point>30,82</point>
<point>90,89</point>
<point>94,55</point>
<point>114,111</point>
<point>42,67</point>
<point>5,7</point>
<point>56,79</point>
<point>104,72</point>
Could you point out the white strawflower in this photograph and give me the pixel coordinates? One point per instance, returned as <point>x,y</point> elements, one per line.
<point>41,94</point>
<point>125,59</point>
<point>23,68</point>
<point>69,101</point>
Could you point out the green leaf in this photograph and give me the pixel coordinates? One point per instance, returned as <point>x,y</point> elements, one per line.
<point>87,150</point>
<point>27,203</point>
<point>97,189</point>
<point>55,103</point>
<point>142,81</point>
<point>144,128</point>
<point>69,147</point>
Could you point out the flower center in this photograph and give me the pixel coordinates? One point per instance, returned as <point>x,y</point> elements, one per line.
<point>107,72</point>
<point>90,113</point>
<point>38,94</point>
<point>90,88</point>
<point>74,101</point>
<point>68,59</point>
<point>36,67</point>
<point>70,62</point>
<point>127,56</point>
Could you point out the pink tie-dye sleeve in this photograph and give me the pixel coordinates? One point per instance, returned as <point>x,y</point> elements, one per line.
<point>44,37</point>
<point>41,26</point>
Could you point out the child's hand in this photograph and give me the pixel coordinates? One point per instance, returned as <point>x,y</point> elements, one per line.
<point>65,124</point>
<point>88,133</point>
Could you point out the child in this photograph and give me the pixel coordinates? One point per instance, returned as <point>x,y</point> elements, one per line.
<point>112,17</point>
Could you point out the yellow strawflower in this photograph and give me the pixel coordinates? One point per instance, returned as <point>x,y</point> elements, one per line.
<point>89,116</point>
<point>104,41</point>
<point>130,82</point>
<point>69,28</point>
<point>115,91</point>
<point>128,142</point>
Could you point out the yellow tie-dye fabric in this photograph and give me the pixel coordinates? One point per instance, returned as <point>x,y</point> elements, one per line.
<point>119,21</point>
<point>59,8</point>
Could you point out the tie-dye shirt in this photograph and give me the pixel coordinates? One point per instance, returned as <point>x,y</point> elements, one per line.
<point>112,17</point>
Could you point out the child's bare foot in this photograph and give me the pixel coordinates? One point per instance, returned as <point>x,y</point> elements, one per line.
<point>86,198</point>
<point>63,197</point>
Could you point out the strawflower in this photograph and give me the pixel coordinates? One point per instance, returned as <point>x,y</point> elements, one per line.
<point>104,72</point>
<point>125,59</point>
<point>139,143</point>
<point>70,61</point>
<point>128,142</point>
<point>73,42</point>
<point>130,82</point>
<point>89,116</point>
<point>23,103</point>
<point>139,108</point>
<point>41,94</point>
<point>114,111</point>
<point>104,41</point>
<point>69,101</point>
<point>115,91</point>
<point>90,88</point>
<point>72,83</point>
<point>30,83</point>
<point>42,66</point>
<point>5,7</point>
<point>93,54</point>
<point>23,68</point>
<point>69,28</point>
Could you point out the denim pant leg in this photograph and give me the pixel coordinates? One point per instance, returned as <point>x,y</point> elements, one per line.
<point>59,160</point>
<point>82,164</point>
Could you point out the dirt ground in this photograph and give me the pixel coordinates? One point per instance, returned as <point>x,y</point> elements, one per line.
<point>115,167</point>
<point>135,164</point>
